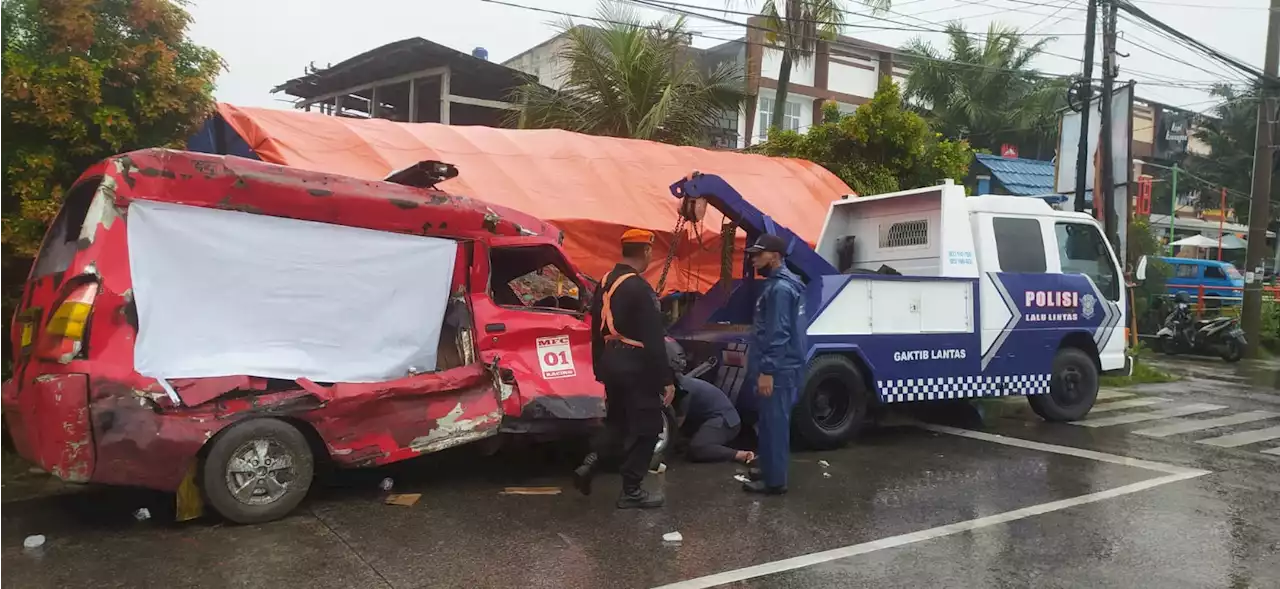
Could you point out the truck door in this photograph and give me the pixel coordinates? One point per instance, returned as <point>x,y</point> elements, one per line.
<point>533,316</point>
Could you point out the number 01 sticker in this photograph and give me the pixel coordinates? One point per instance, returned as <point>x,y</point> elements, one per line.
<point>555,357</point>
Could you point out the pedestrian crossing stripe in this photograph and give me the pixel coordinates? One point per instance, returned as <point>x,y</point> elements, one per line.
<point>961,387</point>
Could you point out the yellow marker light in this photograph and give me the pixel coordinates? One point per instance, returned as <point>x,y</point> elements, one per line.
<point>69,320</point>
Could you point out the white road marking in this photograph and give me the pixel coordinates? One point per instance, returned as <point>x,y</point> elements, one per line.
<point>1203,424</point>
<point>1064,450</point>
<point>1242,438</point>
<point>1182,411</point>
<point>1112,394</point>
<point>1126,404</point>
<point>1275,451</point>
<point>1173,474</point>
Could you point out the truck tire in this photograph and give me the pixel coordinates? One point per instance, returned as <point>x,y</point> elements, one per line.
<point>833,403</point>
<point>257,471</point>
<point>1073,387</point>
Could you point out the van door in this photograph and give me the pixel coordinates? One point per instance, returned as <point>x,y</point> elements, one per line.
<point>1184,278</point>
<point>533,317</point>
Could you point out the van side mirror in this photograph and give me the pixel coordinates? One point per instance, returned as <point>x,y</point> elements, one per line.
<point>1141,272</point>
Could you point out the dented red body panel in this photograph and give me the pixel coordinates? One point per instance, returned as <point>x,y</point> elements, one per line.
<point>88,416</point>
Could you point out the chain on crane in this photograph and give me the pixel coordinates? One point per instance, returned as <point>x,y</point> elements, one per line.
<point>671,253</point>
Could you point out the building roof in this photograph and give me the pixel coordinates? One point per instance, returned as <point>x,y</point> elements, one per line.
<point>487,79</point>
<point>1020,176</point>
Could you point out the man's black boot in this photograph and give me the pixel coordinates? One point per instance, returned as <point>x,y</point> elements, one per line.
<point>760,487</point>
<point>641,499</point>
<point>583,474</point>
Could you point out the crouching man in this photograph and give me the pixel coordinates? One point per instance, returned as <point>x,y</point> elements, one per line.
<point>705,415</point>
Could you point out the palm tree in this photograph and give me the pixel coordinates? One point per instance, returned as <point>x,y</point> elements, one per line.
<point>985,91</point>
<point>632,79</point>
<point>1227,130</point>
<point>797,29</point>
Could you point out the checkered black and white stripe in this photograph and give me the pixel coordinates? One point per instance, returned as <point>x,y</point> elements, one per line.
<point>961,387</point>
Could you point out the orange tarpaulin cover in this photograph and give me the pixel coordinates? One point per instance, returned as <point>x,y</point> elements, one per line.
<point>593,188</point>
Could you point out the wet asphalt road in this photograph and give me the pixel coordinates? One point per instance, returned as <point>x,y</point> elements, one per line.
<point>1221,529</point>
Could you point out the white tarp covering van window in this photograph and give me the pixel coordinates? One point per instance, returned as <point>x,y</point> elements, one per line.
<point>225,293</point>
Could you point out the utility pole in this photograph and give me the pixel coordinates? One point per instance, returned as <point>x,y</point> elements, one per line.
<point>1173,203</point>
<point>1259,214</point>
<point>1082,155</point>
<point>1109,218</point>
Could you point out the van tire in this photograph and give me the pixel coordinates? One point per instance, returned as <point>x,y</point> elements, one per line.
<point>1073,387</point>
<point>833,403</point>
<point>250,453</point>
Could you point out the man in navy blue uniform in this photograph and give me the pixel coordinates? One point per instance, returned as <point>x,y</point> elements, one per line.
<point>777,357</point>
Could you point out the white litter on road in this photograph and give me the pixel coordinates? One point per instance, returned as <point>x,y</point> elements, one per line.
<point>741,478</point>
<point>673,537</point>
<point>33,542</point>
<point>823,463</point>
<point>142,514</point>
<point>387,484</point>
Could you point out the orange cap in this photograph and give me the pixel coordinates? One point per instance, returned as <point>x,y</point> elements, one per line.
<point>637,236</point>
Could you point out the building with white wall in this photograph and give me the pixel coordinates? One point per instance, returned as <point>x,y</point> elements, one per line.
<point>845,71</point>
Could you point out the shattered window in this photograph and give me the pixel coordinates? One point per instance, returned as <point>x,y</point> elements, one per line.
<point>546,287</point>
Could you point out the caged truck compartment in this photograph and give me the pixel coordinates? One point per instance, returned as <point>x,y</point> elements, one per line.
<point>925,295</point>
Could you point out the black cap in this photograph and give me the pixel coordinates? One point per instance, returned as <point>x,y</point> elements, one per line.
<point>768,242</point>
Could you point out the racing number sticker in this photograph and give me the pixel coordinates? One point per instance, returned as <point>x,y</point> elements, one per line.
<point>555,357</point>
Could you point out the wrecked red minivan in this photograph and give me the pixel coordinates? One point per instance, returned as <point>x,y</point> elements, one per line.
<point>219,321</point>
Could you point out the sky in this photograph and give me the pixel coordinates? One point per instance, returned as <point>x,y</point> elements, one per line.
<point>266,42</point>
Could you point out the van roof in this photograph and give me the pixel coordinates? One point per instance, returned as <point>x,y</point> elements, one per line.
<point>235,183</point>
<point>1196,261</point>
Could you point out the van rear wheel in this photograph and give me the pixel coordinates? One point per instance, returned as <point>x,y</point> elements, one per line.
<point>257,471</point>
<point>1073,387</point>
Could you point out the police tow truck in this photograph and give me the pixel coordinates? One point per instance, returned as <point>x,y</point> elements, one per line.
<point>922,295</point>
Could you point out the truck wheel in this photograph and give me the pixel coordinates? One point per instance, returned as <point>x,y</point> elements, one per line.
<point>665,438</point>
<point>257,471</point>
<point>1073,387</point>
<point>833,402</point>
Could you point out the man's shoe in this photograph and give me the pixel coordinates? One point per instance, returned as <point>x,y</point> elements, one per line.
<point>754,473</point>
<point>641,499</point>
<point>760,487</point>
<point>583,474</point>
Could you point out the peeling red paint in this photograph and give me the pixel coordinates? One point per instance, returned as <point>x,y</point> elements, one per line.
<point>92,418</point>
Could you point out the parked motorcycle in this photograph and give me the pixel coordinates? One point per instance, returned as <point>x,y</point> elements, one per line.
<point>1182,334</point>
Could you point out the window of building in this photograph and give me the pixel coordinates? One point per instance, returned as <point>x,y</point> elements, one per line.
<point>1082,250</point>
<point>1019,244</point>
<point>790,116</point>
<point>905,233</point>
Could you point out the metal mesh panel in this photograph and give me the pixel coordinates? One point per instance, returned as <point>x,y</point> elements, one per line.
<point>905,233</point>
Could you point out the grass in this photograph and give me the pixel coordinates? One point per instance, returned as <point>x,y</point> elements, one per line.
<point>1142,374</point>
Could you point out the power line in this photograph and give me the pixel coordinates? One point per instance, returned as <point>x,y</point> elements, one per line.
<point>683,8</point>
<point>1192,42</point>
<point>1179,4</point>
<point>1051,15</point>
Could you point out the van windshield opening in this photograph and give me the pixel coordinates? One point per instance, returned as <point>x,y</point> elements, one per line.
<point>59,245</point>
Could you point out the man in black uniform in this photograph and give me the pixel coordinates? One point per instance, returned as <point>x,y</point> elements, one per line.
<point>630,358</point>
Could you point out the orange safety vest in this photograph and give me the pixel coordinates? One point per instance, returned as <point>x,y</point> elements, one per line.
<point>606,316</point>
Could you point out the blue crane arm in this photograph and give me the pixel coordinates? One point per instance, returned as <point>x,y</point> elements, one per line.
<point>719,194</point>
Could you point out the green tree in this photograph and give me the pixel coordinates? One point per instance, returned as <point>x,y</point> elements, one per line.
<point>1228,130</point>
<point>985,90</point>
<point>84,79</point>
<point>796,27</point>
<point>882,147</point>
<point>632,79</point>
